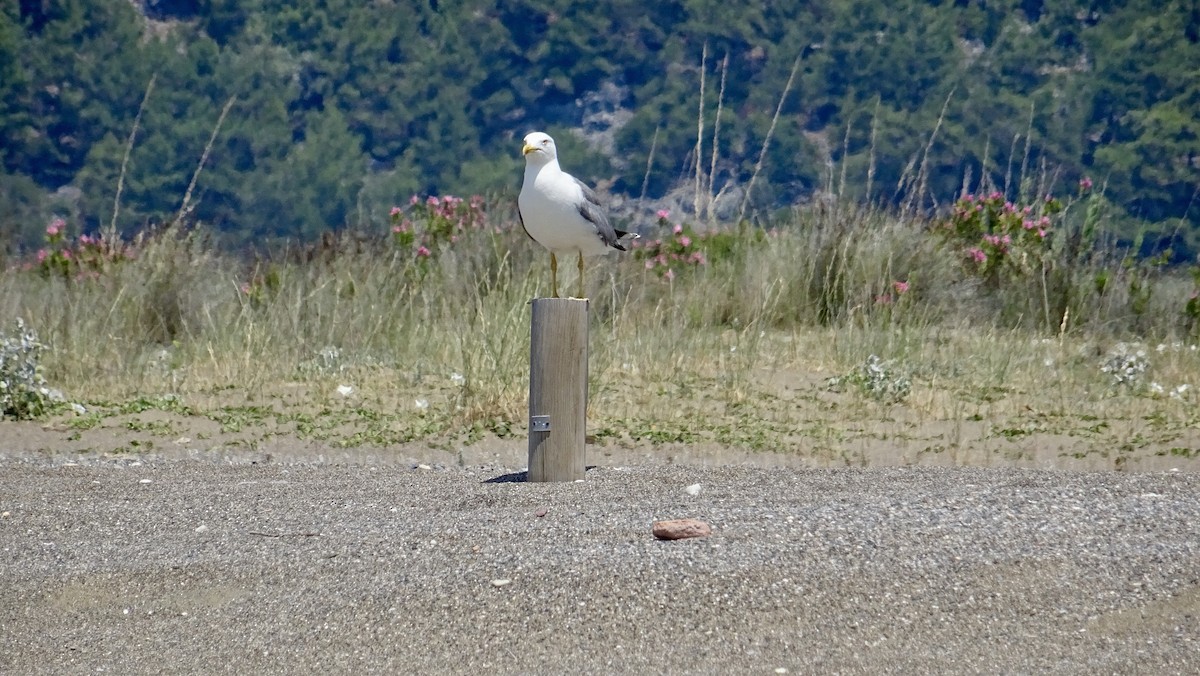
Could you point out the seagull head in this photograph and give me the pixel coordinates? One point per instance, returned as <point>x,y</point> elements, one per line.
<point>539,148</point>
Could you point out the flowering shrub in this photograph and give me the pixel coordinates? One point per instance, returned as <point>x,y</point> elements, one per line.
<point>84,257</point>
<point>262,287</point>
<point>428,226</point>
<point>23,390</point>
<point>895,293</point>
<point>993,234</point>
<point>683,248</point>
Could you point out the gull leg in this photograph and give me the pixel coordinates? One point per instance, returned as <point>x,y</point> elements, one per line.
<point>553,274</point>
<point>582,293</point>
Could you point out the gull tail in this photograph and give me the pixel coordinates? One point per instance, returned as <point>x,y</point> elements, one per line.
<point>622,234</point>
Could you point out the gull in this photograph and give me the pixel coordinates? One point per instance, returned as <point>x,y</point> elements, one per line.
<point>561,213</point>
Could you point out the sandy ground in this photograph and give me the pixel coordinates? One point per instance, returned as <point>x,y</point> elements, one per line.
<point>311,562</point>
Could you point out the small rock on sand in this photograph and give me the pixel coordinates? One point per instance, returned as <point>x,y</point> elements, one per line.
<point>678,529</point>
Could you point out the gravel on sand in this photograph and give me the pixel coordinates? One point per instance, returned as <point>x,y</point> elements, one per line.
<point>185,566</point>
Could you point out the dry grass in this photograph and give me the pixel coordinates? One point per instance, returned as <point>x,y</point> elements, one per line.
<point>733,355</point>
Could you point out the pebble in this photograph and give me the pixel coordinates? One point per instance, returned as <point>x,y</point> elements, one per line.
<point>679,529</point>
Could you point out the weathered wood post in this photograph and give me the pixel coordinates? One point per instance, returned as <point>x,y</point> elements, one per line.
<point>558,371</point>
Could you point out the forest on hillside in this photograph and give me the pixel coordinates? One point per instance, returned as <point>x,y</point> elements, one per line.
<point>310,115</point>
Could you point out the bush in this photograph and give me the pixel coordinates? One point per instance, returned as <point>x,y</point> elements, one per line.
<point>876,379</point>
<point>23,391</point>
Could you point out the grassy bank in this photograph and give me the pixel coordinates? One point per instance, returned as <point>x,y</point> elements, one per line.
<point>1055,348</point>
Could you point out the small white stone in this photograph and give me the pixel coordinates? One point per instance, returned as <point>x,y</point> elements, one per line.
<point>345,390</point>
<point>502,582</point>
<point>201,528</point>
<point>694,489</point>
<point>145,481</point>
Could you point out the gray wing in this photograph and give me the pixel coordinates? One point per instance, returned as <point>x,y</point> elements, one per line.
<point>591,209</point>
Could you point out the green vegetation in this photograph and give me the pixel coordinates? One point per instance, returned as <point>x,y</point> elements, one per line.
<point>901,233</point>
<point>23,391</point>
<point>269,119</point>
<point>837,334</point>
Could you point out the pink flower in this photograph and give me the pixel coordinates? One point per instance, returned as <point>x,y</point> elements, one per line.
<point>978,255</point>
<point>685,241</point>
<point>663,214</point>
<point>55,227</point>
<point>677,229</point>
<point>245,288</point>
<point>414,200</point>
<point>395,212</point>
<point>1085,183</point>
<point>1028,225</point>
<point>670,274</point>
<point>432,201</point>
<point>1042,233</point>
<point>697,258</point>
<point>66,253</point>
<point>649,263</point>
<point>397,229</point>
<point>41,255</point>
<point>900,287</point>
<point>424,252</point>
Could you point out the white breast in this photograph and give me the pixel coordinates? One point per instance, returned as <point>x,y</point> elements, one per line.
<point>549,203</point>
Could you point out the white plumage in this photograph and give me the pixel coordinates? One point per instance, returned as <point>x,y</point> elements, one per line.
<point>561,213</point>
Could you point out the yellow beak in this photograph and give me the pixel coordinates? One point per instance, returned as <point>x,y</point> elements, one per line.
<point>528,149</point>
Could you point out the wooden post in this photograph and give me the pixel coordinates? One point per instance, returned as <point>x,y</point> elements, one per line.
<point>558,371</point>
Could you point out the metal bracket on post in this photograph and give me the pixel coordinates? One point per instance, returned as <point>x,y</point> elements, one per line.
<point>539,423</point>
